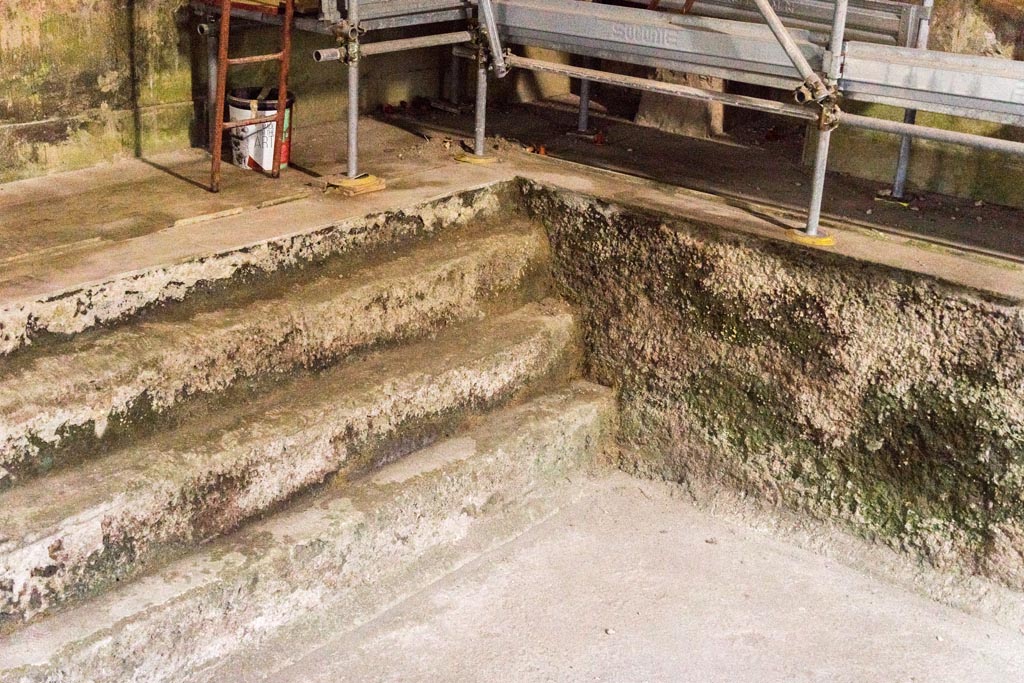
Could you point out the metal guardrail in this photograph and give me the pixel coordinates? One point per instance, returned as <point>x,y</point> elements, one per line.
<point>384,14</point>
<point>743,52</point>
<point>961,85</point>
<point>800,47</point>
<point>871,21</point>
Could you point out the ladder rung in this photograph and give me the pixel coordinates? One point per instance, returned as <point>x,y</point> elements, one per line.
<point>255,59</point>
<point>228,125</point>
<point>247,6</point>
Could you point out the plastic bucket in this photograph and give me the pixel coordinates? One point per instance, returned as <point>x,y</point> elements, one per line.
<point>253,146</point>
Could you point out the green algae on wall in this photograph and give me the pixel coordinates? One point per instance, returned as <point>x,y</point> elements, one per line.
<point>934,166</point>
<point>89,81</point>
<point>847,390</point>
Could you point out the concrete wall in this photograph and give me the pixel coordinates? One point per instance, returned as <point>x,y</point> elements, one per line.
<point>885,399</point>
<point>681,116</point>
<point>86,81</point>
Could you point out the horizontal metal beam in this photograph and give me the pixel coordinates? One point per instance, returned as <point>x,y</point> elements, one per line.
<point>385,14</point>
<point>737,51</point>
<point>650,85</point>
<point>961,85</point>
<point>873,21</point>
<point>767,106</point>
<point>335,54</point>
<point>306,24</point>
<point>935,134</point>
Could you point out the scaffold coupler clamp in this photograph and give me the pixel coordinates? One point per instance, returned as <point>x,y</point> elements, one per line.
<point>348,35</point>
<point>480,46</point>
<point>481,43</point>
<point>830,114</point>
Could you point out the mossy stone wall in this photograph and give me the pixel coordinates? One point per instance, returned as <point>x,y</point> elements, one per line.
<point>888,400</point>
<point>89,80</point>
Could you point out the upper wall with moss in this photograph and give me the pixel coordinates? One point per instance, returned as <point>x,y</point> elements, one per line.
<point>992,28</point>
<point>87,81</point>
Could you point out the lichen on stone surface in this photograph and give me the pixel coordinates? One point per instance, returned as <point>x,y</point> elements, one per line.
<point>848,390</point>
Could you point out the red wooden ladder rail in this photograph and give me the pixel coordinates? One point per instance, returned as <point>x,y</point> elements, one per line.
<point>224,61</point>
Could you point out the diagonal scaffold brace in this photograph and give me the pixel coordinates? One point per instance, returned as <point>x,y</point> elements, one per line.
<point>814,90</point>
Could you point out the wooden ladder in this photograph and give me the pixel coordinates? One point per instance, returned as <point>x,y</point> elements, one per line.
<point>224,61</point>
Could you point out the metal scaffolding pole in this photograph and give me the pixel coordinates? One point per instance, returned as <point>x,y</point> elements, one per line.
<point>212,50</point>
<point>480,128</point>
<point>583,125</point>
<point>937,134</point>
<point>353,182</point>
<point>353,89</point>
<point>333,54</point>
<point>665,88</point>
<point>899,185</point>
<point>825,135</point>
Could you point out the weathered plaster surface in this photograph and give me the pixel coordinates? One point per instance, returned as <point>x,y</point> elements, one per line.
<point>89,81</point>
<point>889,400</point>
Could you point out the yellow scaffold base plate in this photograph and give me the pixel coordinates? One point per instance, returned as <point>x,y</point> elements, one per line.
<point>474,159</point>
<point>822,239</point>
<point>362,184</point>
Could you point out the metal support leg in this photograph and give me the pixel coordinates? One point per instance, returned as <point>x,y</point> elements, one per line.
<point>825,136</point>
<point>211,84</point>
<point>353,120</point>
<point>899,185</point>
<point>481,107</point>
<point>479,155</point>
<point>353,91</point>
<point>584,123</point>
<point>354,182</point>
<point>583,130</point>
<point>818,182</point>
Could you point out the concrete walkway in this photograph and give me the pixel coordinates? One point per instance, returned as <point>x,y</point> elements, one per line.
<point>632,584</point>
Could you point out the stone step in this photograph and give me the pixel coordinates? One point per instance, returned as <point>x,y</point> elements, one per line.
<point>76,530</point>
<point>63,406</point>
<point>63,292</point>
<point>352,550</point>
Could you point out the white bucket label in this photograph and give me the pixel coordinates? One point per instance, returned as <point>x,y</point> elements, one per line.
<point>253,146</point>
